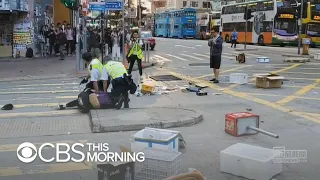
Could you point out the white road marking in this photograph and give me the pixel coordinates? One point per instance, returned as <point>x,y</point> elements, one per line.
<point>193,57</point>
<point>229,57</point>
<point>182,59</point>
<point>184,46</point>
<point>162,58</point>
<point>201,55</point>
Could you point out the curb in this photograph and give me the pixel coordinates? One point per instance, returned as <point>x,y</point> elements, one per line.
<point>298,56</point>
<point>96,127</point>
<point>67,76</point>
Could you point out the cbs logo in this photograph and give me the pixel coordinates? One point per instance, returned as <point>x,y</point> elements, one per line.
<point>28,152</point>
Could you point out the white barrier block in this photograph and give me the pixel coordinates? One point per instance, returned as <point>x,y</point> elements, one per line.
<point>249,161</point>
<point>263,59</point>
<point>317,56</point>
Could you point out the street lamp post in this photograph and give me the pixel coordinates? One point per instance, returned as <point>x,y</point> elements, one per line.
<point>300,27</point>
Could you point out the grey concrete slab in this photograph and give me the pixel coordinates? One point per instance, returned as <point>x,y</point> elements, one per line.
<point>139,118</point>
<point>43,126</point>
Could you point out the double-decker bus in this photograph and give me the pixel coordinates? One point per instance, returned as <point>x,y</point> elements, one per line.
<point>182,23</point>
<point>203,25</point>
<point>311,21</point>
<point>161,24</point>
<point>176,23</point>
<point>273,22</point>
<point>215,21</point>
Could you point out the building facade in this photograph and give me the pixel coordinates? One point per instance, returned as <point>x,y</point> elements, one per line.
<point>204,5</point>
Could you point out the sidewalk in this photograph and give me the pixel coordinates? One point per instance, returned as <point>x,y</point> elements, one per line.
<point>42,68</point>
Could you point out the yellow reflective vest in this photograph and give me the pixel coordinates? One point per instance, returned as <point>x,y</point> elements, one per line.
<point>138,49</point>
<point>95,64</point>
<point>115,69</point>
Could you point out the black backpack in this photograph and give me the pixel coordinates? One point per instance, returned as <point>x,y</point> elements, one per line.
<point>29,53</point>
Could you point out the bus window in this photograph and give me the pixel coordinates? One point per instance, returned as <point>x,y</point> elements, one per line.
<point>176,26</point>
<point>267,26</point>
<point>289,26</point>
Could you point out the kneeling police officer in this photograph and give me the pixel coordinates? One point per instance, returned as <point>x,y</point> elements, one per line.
<point>121,83</point>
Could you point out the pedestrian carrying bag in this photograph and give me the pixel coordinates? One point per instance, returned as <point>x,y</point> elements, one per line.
<point>101,100</point>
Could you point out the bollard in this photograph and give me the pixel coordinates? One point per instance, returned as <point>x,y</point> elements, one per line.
<point>263,131</point>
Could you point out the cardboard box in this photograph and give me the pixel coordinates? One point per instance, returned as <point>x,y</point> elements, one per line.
<point>147,87</point>
<point>116,171</point>
<point>268,80</point>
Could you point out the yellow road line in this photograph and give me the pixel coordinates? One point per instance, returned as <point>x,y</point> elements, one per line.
<point>290,86</point>
<point>36,85</point>
<point>39,114</point>
<point>38,92</point>
<point>246,97</point>
<point>301,92</point>
<point>274,72</point>
<point>13,147</point>
<point>276,95</point>
<point>225,71</point>
<point>66,97</point>
<point>45,169</point>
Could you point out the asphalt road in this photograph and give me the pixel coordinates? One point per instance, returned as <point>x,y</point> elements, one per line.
<point>292,112</point>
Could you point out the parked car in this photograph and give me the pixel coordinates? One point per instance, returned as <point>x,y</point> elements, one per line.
<point>147,36</point>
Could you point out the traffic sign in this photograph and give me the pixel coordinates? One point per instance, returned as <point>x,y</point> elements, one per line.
<point>132,13</point>
<point>97,6</point>
<point>114,5</point>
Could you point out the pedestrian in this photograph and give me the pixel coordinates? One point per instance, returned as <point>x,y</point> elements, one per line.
<point>61,41</point>
<point>42,41</point>
<point>116,46</point>
<point>94,43</point>
<point>215,54</point>
<point>70,40</point>
<point>135,53</point>
<point>234,38</point>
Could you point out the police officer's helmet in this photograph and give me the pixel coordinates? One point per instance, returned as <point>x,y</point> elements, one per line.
<point>87,56</point>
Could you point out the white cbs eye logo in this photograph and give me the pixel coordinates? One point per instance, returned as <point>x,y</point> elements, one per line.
<point>26,152</point>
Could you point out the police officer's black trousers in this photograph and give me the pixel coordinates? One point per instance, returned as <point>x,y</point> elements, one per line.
<point>120,88</point>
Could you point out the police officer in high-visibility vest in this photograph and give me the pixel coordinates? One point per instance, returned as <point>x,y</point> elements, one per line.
<point>96,75</point>
<point>117,74</point>
<point>135,53</point>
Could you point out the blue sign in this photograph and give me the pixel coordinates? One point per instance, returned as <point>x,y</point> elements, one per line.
<point>114,5</point>
<point>97,6</point>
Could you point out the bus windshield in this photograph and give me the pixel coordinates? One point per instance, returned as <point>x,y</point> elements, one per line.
<point>285,27</point>
<point>313,29</point>
<point>189,26</point>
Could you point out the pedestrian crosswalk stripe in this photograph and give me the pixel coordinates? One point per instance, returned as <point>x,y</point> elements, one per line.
<point>201,55</point>
<point>35,85</point>
<point>162,58</point>
<point>66,97</point>
<point>13,147</point>
<point>41,114</point>
<point>38,92</point>
<point>38,105</point>
<point>192,57</point>
<point>182,59</point>
<point>45,169</point>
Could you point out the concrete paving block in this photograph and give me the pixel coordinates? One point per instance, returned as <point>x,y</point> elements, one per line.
<point>249,161</point>
<point>111,120</point>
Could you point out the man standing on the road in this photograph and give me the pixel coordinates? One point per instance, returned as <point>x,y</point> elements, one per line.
<point>61,41</point>
<point>94,43</point>
<point>135,53</point>
<point>215,54</point>
<point>116,45</point>
<point>234,38</point>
